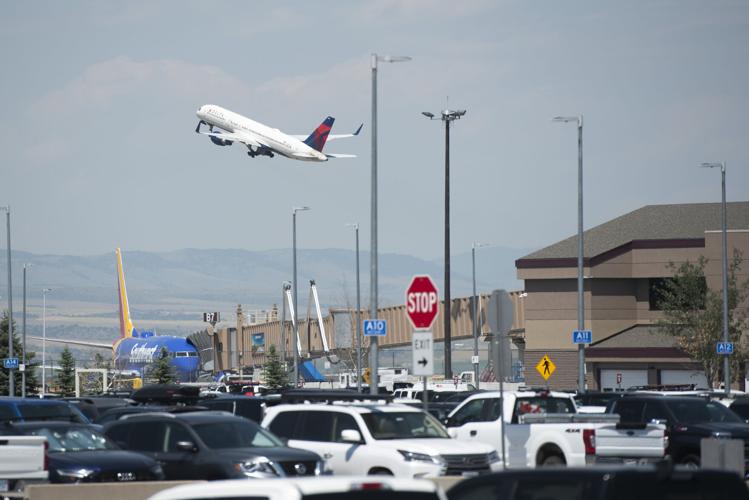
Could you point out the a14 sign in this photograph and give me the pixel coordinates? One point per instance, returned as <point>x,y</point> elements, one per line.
<point>422,302</point>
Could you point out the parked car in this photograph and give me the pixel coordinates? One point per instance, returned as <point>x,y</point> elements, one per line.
<point>378,438</point>
<point>688,419</point>
<point>21,409</point>
<point>740,407</point>
<point>598,483</point>
<point>249,407</point>
<point>22,461</point>
<point>211,445</point>
<point>93,407</point>
<point>323,488</point>
<point>544,428</point>
<point>78,453</point>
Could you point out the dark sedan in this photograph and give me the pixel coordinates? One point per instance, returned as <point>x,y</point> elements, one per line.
<point>80,454</point>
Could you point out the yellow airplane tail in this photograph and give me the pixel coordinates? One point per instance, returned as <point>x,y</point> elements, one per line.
<point>126,326</point>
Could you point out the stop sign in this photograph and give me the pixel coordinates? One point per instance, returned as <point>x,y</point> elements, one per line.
<point>422,302</point>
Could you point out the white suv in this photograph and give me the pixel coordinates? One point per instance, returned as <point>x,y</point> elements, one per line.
<point>392,439</point>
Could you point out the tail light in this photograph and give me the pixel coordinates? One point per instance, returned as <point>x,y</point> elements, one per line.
<point>589,439</point>
<point>46,455</point>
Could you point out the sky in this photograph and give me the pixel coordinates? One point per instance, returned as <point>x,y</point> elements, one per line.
<point>98,150</point>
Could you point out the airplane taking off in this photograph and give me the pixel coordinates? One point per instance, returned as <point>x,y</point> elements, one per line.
<point>137,351</point>
<point>262,140</point>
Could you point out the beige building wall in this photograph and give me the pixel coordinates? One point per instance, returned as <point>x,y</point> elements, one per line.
<point>616,298</point>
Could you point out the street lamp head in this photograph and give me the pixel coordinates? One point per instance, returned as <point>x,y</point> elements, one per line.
<point>428,114</point>
<point>46,290</point>
<point>354,225</point>
<point>565,119</point>
<point>476,244</point>
<point>299,209</point>
<point>452,115</point>
<point>721,165</point>
<point>393,59</point>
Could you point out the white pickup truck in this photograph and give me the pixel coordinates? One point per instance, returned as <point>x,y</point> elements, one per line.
<point>22,461</point>
<point>544,428</point>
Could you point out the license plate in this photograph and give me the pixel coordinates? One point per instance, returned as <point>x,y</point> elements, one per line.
<point>3,485</point>
<point>125,476</point>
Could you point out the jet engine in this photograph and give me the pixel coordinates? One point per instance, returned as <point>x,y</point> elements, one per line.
<point>220,142</point>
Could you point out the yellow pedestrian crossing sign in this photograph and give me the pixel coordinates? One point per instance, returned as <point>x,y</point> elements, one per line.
<point>546,367</point>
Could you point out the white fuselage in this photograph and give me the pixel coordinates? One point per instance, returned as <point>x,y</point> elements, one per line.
<point>273,138</point>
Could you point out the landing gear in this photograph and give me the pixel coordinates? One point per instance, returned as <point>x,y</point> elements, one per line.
<point>252,153</point>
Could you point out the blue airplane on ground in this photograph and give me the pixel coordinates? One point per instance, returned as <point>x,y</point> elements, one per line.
<point>137,351</point>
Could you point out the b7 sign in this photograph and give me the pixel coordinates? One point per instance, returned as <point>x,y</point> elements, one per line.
<point>422,302</point>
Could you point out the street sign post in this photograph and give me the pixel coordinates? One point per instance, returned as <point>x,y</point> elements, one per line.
<point>501,315</point>
<point>546,367</point>
<point>422,302</point>
<point>725,348</point>
<point>582,337</point>
<point>10,363</point>
<point>375,327</point>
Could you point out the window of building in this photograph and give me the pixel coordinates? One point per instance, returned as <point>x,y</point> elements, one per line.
<point>659,288</point>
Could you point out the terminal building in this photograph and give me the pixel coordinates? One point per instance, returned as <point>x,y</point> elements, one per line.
<point>625,261</point>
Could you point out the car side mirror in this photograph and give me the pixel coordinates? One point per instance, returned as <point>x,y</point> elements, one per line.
<point>186,446</point>
<point>351,436</point>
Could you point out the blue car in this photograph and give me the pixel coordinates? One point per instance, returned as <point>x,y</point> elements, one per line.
<point>32,409</point>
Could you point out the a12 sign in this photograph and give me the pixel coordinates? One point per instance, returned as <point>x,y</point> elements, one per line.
<point>724,347</point>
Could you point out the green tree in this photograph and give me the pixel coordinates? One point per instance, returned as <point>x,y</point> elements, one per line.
<point>31,378</point>
<point>66,376</point>
<point>274,371</point>
<point>693,314</point>
<point>163,371</point>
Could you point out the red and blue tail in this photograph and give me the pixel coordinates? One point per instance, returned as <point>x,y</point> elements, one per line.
<point>317,138</point>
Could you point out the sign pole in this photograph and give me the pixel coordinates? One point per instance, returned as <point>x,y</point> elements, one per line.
<point>424,393</point>
<point>501,372</point>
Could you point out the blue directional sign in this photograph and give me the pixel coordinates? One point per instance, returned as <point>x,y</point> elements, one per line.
<point>725,348</point>
<point>10,363</point>
<point>375,327</point>
<point>582,337</point>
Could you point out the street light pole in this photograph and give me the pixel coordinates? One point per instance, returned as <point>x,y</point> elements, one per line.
<point>373,359</point>
<point>23,352</point>
<point>447,116</point>
<point>724,237</point>
<point>45,291</point>
<point>476,322</point>
<point>358,312</point>
<point>11,381</point>
<point>294,210</point>
<point>580,248</point>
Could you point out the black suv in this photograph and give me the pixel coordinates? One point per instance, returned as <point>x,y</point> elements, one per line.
<point>688,419</point>
<point>211,445</point>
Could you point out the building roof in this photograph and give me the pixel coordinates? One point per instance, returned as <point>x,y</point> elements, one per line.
<point>685,222</point>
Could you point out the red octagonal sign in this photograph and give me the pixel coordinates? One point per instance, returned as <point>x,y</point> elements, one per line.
<point>422,302</point>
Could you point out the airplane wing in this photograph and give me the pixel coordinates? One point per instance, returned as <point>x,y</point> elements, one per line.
<point>85,343</point>
<point>243,138</point>
<point>332,137</point>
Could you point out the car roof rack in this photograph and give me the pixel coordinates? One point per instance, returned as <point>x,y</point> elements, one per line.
<point>167,393</point>
<point>330,396</point>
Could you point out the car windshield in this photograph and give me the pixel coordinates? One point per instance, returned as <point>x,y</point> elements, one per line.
<point>403,425</point>
<point>236,434</point>
<point>700,411</point>
<point>61,411</point>
<point>74,439</point>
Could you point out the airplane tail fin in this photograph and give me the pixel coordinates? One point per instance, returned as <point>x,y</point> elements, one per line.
<point>317,138</point>
<point>126,326</point>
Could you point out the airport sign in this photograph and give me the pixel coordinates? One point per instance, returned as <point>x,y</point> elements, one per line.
<point>10,363</point>
<point>582,337</point>
<point>375,327</point>
<point>725,348</point>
